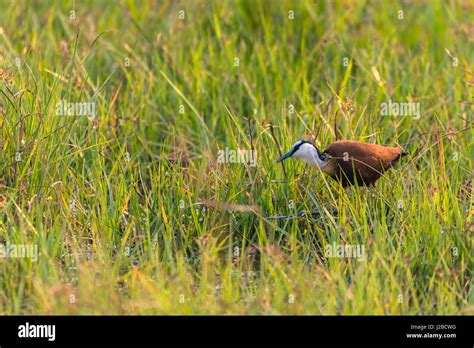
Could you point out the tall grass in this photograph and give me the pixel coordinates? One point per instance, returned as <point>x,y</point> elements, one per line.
<point>131,211</point>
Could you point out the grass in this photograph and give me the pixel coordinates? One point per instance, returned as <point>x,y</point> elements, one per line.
<point>131,211</point>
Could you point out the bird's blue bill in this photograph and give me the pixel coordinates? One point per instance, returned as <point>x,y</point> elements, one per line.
<point>285,156</point>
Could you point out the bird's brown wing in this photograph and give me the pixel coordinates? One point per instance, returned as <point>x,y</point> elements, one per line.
<point>361,162</point>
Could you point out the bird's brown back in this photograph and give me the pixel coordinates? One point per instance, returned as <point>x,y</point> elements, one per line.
<point>361,163</point>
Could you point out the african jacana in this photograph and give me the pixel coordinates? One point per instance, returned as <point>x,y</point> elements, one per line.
<point>349,162</point>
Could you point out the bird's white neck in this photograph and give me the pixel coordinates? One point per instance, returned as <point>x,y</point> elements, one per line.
<point>309,154</point>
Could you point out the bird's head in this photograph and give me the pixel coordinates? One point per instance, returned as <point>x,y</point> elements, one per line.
<point>307,152</point>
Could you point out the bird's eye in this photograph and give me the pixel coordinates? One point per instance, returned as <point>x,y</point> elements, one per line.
<point>323,156</point>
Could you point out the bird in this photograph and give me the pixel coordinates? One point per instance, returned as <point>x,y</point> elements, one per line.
<point>348,162</point>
